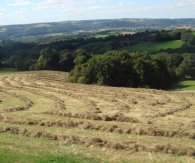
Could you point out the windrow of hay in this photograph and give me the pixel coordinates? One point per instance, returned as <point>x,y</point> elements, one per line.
<point>186,105</point>
<point>93,116</point>
<point>27,102</point>
<point>98,142</point>
<point>116,121</point>
<point>110,128</point>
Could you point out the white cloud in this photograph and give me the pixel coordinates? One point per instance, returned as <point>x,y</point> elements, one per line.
<point>19,3</point>
<point>54,4</point>
<point>27,11</point>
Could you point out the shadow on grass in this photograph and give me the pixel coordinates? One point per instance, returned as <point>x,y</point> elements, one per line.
<point>188,84</point>
<point>179,86</point>
<point>8,70</point>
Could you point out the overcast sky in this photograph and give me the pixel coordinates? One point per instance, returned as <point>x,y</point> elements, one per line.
<point>32,11</point>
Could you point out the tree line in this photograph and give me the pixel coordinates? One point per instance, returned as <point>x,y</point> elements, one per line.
<point>110,67</point>
<point>134,70</point>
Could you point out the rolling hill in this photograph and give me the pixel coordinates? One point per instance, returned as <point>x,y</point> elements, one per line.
<point>87,26</point>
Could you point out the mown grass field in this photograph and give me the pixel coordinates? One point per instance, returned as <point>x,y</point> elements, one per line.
<point>28,155</point>
<point>101,35</point>
<point>107,34</point>
<point>43,118</point>
<point>154,47</point>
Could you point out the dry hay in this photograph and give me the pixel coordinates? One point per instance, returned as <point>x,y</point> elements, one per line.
<point>120,112</point>
<point>98,142</point>
<point>27,103</point>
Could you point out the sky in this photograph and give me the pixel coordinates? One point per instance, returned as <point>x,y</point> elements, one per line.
<point>37,11</point>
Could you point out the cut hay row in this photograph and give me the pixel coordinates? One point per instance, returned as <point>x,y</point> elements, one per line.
<point>106,128</point>
<point>94,116</point>
<point>93,109</point>
<point>27,103</point>
<point>186,105</point>
<point>124,107</point>
<point>131,146</point>
<point>102,118</point>
<point>59,104</point>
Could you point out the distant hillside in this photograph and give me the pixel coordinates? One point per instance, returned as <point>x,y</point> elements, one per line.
<point>87,26</point>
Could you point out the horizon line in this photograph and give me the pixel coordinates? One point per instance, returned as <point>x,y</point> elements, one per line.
<point>45,22</point>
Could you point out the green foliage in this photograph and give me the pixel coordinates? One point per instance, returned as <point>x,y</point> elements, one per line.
<point>81,56</point>
<point>188,38</point>
<point>114,68</point>
<point>48,59</point>
<point>174,60</point>
<point>21,62</point>
<point>123,69</point>
<point>66,60</point>
<point>93,60</point>
<point>62,51</point>
<point>97,47</point>
<point>192,66</point>
<point>187,67</point>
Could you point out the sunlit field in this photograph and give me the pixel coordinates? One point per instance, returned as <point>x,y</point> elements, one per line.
<point>43,118</point>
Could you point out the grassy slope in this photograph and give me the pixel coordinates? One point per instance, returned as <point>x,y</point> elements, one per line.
<point>101,36</point>
<point>8,156</point>
<point>184,85</point>
<point>25,152</point>
<point>15,148</point>
<point>154,47</point>
<point>107,34</point>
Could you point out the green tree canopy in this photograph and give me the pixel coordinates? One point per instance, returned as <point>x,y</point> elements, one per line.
<point>49,59</point>
<point>124,69</point>
<point>81,56</point>
<point>66,60</point>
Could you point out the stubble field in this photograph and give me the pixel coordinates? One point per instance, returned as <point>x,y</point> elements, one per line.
<point>43,115</point>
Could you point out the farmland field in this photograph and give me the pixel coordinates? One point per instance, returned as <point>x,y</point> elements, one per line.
<point>101,35</point>
<point>43,118</point>
<point>155,47</point>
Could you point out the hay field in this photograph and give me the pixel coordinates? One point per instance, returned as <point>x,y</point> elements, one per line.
<point>42,114</point>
